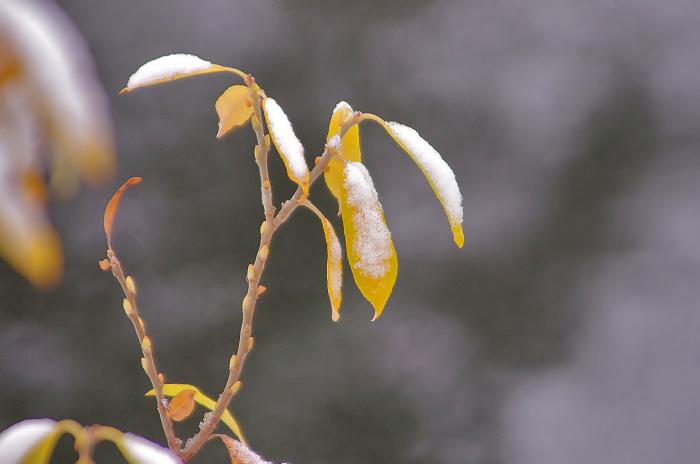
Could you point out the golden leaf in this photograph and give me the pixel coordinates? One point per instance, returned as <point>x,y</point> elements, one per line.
<point>113,205</point>
<point>182,405</point>
<point>172,389</point>
<point>334,263</point>
<point>438,173</point>
<point>368,241</point>
<point>349,147</point>
<point>234,108</point>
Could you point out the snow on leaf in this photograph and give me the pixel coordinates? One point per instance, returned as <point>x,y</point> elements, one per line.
<point>349,148</point>
<point>439,174</point>
<point>334,263</point>
<point>239,452</point>
<point>139,450</point>
<point>169,68</point>
<point>172,389</point>
<point>20,440</point>
<point>234,109</point>
<point>113,206</point>
<point>288,145</point>
<point>368,241</point>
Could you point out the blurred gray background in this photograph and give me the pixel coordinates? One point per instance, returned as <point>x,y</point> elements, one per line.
<point>566,329</point>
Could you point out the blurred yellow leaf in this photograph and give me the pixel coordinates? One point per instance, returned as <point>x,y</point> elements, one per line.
<point>42,452</point>
<point>334,264</point>
<point>182,405</point>
<point>113,205</point>
<point>368,241</point>
<point>349,147</point>
<point>234,108</point>
<point>172,389</point>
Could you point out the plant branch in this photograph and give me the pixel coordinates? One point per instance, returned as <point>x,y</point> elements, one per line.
<point>148,361</point>
<point>255,270</point>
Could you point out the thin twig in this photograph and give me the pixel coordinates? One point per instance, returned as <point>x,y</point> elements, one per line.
<point>148,361</point>
<point>268,228</point>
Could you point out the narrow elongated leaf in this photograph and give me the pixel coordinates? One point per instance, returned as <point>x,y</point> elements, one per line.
<point>234,108</point>
<point>173,67</point>
<point>368,241</point>
<point>334,263</point>
<point>288,145</point>
<point>172,389</point>
<point>349,147</point>
<point>113,206</point>
<point>439,174</point>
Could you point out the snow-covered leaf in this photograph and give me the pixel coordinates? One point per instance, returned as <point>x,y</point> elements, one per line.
<point>138,450</point>
<point>169,68</point>
<point>32,438</point>
<point>288,145</point>
<point>349,148</point>
<point>238,452</point>
<point>367,238</point>
<point>436,170</point>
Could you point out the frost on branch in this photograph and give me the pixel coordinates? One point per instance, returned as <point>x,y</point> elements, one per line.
<point>287,143</point>
<point>368,241</point>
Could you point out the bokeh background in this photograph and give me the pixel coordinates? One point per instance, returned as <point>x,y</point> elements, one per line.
<point>566,329</point>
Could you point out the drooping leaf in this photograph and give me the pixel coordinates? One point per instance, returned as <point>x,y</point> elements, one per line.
<point>234,109</point>
<point>286,142</point>
<point>182,405</point>
<point>368,241</point>
<point>438,173</point>
<point>172,389</point>
<point>334,263</point>
<point>349,148</point>
<point>173,67</point>
<point>113,205</point>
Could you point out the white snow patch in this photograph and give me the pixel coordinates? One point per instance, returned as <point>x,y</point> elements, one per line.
<point>18,440</point>
<point>167,67</point>
<point>146,452</point>
<point>439,174</point>
<point>287,142</point>
<point>342,105</point>
<point>335,257</point>
<point>372,237</point>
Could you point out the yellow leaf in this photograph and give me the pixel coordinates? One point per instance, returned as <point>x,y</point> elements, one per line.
<point>173,67</point>
<point>368,241</point>
<point>42,452</point>
<point>113,205</point>
<point>334,263</point>
<point>349,148</point>
<point>182,405</point>
<point>234,108</point>
<point>172,389</point>
<point>287,144</point>
<point>438,173</point>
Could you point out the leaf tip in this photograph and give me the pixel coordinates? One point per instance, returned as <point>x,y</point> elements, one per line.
<point>458,234</point>
<point>124,90</point>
